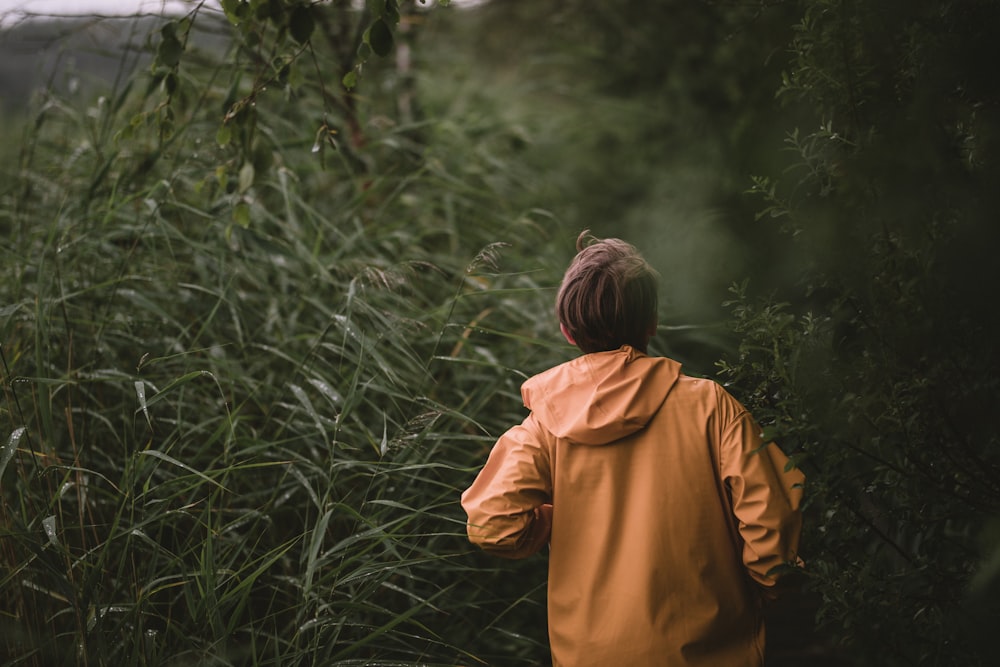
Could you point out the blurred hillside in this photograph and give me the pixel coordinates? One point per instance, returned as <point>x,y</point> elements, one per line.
<point>65,54</point>
<point>83,56</point>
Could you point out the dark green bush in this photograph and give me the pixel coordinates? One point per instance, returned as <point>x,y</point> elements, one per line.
<point>876,366</point>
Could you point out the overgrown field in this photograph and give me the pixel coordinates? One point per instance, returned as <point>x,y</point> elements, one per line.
<point>244,384</point>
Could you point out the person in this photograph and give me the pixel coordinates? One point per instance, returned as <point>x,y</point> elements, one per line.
<point>668,520</point>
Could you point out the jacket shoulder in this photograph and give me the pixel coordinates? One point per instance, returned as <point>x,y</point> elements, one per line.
<point>710,395</point>
<point>705,388</point>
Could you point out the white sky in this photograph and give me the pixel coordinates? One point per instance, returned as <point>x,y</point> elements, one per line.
<point>111,7</point>
<point>12,11</point>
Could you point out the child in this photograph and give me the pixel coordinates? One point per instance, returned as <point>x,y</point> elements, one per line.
<point>667,517</point>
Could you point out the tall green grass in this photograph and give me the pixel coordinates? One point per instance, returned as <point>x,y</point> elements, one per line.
<point>239,407</point>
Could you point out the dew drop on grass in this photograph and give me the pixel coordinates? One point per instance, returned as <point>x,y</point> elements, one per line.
<point>49,525</point>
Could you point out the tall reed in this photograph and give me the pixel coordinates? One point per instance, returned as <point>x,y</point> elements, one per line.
<point>240,403</point>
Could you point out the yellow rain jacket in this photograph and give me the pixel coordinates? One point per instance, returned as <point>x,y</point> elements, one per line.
<point>667,515</point>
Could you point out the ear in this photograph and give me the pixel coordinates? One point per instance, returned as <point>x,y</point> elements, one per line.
<point>565,333</point>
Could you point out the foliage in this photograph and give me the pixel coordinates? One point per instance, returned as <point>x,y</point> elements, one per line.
<point>875,368</point>
<point>247,371</point>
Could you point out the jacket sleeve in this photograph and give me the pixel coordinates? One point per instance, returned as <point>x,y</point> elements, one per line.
<point>765,497</point>
<point>505,502</point>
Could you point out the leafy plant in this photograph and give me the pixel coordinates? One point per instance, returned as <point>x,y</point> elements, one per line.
<point>875,370</point>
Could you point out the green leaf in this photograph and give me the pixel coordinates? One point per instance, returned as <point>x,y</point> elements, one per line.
<point>380,38</point>
<point>224,135</point>
<point>350,79</point>
<point>246,176</point>
<point>170,83</point>
<point>7,453</point>
<point>231,8</point>
<point>769,434</point>
<point>265,11</point>
<point>241,214</point>
<point>160,395</point>
<point>169,51</point>
<point>183,466</point>
<point>251,39</point>
<point>391,12</point>
<point>301,24</point>
<point>222,176</point>
<point>140,394</point>
<point>51,531</point>
<point>295,76</point>
<point>318,534</point>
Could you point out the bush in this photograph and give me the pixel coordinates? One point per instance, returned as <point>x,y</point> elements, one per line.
<point>875,367</point>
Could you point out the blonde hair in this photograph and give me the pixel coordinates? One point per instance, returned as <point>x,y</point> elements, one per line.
<point>608,297</point>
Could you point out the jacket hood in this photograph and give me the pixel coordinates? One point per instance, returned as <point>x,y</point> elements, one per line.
<point>601,397</point>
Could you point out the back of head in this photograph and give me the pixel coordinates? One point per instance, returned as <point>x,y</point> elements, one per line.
<point>608,297</point>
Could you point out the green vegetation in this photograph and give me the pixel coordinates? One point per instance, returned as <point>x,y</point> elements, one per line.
<point>266,302</point>
<point>246,377</point>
